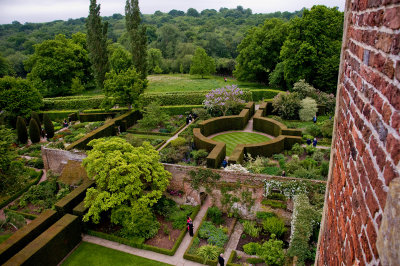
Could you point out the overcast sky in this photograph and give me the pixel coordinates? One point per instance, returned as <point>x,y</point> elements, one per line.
<point>49,10</point>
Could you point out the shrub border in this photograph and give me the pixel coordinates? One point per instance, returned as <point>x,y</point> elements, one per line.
<point>24,214</point>
<point>128,242</point>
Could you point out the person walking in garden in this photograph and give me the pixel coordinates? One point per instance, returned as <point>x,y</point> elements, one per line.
<point>314,143</point>
<point>189,223</point>
<point>314,119</point>
<point>221,259</point>
<point>308,141</point>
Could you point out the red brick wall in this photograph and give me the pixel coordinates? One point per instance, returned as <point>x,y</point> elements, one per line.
<point>366,145</point>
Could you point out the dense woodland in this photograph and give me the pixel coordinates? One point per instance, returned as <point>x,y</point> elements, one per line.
<point>276,49</point>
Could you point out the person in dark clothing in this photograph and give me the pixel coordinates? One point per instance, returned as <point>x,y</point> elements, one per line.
<point>314,143</point>
<point>221,259</point>
<point>65,123</point>
<point>189,223</point>
<point>224,163</point>
<point>187,120</point>
<point>314,119</point>
<point>283,173</point>
<point>308,141</point>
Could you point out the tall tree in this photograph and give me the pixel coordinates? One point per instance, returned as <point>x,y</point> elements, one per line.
<point>97,43</point>
<point>202,64</point>
<point>137,37</point>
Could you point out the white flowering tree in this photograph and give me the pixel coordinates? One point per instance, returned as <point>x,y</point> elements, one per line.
<point>224,99</point>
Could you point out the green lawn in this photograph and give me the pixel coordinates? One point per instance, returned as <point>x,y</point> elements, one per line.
<point>92,254</point>
<point>185,82</point>
<point>232,139</point>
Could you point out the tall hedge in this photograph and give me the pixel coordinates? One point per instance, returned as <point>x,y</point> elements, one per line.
<point>35,116</point>
<point>21,130</point>
<point>34,131</point>
<point>48,126</point>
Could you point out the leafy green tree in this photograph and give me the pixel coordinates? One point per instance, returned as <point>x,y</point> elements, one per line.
<point>5,68</point>
<point>154,59</point>
<point>34,131</point>
<point>137,37</point>
<point>97,43</point>
<point>154,116</point>
<point>22,132</point>
<point>56,62</point>
<point>121,59</point>
<point>7,154</point>
<point>123,88</point>
<point>259,50</point>
<point>308,109</point>
<point>202,64</point>
<point>192,12</point>
<point>48,126</point>
<point>312,49</point>
<point>168,39</point>
<point>18,97</point>
<point>128,179</point>
<point>287,105</point>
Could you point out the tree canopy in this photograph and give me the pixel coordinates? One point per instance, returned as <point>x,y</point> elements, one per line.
<point>128,179</point>
<point>202,64</point>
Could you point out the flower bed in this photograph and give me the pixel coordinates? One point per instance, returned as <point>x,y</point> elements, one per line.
<point>175,122</point>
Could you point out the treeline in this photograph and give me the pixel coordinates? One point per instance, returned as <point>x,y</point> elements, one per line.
<point>176,34</point>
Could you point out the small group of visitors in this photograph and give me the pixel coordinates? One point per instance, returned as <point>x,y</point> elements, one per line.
<point>314,142</point>
<point>190,118</point>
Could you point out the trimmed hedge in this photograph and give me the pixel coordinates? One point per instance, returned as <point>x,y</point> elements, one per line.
<point>179,109</point>
<point>52,245</point>
<point>22,191</point>
<point>26,234</point>
<point>259,95</point>
<point>138,242</point>
<point>252,107</point>
<point>272,127</point>
<point>92,117</point>
<point>231,259</point>
<point>73,103</point>
<point>217,150</point>
<point>66,204</point>
<point>109,129</point>
<point>25,215</point>
<point>80,209</point>
<point>182,98</point>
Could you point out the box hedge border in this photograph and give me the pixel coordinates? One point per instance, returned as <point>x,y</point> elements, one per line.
<point>22,191</point>
<point>26,234</point>
<point>139,243</point>
<point>259,95</point>
<point>52,245</point>
<point>24,214</point>
<point>67,203</point>
<point>231,259</point>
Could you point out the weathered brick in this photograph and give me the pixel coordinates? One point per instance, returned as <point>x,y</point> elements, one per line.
<point>383,42</point>
<point>391,18</point>
<point>386,113</point>
<point>389,173</point>
<point>397,70</point>
<point>393,148</point>
<point>365,246</point>
<point>378,153</point>
<point>392,93</point>
<point>372,204</point>
<point>371,233</point>
<point>396,119</point>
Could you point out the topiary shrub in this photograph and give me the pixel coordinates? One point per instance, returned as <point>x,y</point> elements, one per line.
<point>21,130</point>
<point>35,116</point>
<point>34,131</point>
<point>308,109</point>
<point>48,126</point>
<point>274,225</point>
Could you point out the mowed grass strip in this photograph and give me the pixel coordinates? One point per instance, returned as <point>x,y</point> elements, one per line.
<point>235,138</point>
<point>92,254</point>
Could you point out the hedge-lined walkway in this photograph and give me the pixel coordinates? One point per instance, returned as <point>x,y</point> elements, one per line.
<point>174,136</point>
<point>177,259</point>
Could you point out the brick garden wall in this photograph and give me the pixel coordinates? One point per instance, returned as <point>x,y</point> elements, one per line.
<point>366,145</point>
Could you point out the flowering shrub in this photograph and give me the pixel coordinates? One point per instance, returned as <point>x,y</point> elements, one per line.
<point>178,193</point>
<point>223,99</point>
<point>214,236</point>
<point>287,105</point>
<point>236,168</point>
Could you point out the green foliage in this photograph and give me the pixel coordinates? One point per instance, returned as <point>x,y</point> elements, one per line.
<point>297,149</point>
<point>257,165</point>
<point>325,169</point>
<point>18,97</point>
<point>208,252</point>
<point>97,43</point>
<point>34,131</point>
<point>199,156</point>
<point>276,196</point>
<point>6,151</point>
<point>35,116</point>
<point>274,225</point>
<point>259,50</point>
<point>314,130</point>
<point>154,116</point>
<point>274,204</point>
<point>179,141</point>
<point>76,86</point>
<point>125,176</point>
<point>327,128</point>
<point>22,132</point>
<point>48,126</point>
<point>215,236</point>
<point>123,88</point>
<point>286,105</point>
<point>308,109</point>
<point>120,60</point>
<point>202,64</point>
<point>215,215</point>
<point>137,37</point>
<point>203,177</point>
<point>251,248</point>
<point>312,48</point>
<point>154,59</point>
<point>310,149</point>
<point>56,62</point>
<point>265,215</point>
<point>304,89</point>
<point>15,219</point>
<point>271,251</point>
<point>250,228</point>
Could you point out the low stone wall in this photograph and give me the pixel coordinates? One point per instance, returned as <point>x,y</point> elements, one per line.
<point>55,160</point>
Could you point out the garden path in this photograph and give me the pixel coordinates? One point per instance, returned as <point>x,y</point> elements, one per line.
<point>174,136</point>
<point>177,259</point>
<point>234,240</point>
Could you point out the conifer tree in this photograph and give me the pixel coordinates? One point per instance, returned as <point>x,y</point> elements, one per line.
<point>22,132</point>
<point>35,116</point>
<point>97,43</point>
<point>34,132</point>
<point>48,126</point>
<point>137,37</point>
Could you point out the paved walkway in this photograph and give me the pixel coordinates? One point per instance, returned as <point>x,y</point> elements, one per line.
<point>234,240</point>
<point>174,136</point>
<point>177,259</point>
